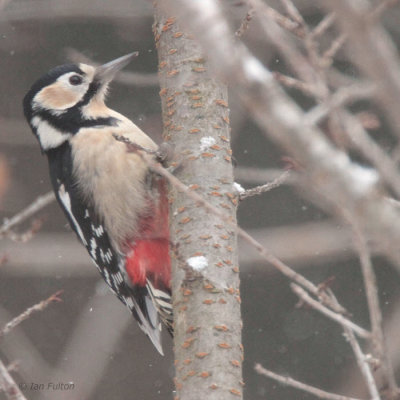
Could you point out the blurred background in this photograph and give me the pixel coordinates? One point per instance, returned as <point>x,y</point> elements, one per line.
<point>89,338</point>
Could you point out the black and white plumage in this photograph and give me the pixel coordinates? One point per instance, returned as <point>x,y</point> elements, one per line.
<point>116,206</point>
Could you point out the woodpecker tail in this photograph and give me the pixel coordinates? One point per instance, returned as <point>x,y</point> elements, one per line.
<point>145,313</point>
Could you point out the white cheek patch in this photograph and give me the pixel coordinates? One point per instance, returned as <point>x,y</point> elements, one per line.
<point>49,137</point>
<point>66,200</point>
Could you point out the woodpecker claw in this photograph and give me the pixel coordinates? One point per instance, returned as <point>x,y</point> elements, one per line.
<point>165,153</point>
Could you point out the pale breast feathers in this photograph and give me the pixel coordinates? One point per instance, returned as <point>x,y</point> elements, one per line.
<point>111,178</point>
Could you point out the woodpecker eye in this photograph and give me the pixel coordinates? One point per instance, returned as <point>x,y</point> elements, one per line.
<point>75,80</point>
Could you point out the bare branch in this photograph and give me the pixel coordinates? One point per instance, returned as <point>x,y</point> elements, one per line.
<point>371,290</point>
<point>294,83</point>
<point>366,38</point>
<point>361,141</point>
<point>265,188</point>
<point>282,21</point>
<point>38,204</point>
<point>327,57</point>
<point>245,23</point>
<point>8,385</point>
<point>323,25</point>
<point>330,314</point>
<point>28,312</point>
<point>363,364</point>
<point>381,8</point>
<point>294,12</point>
<point>24,237</point>
<point>340,98</point>
<point>284,43</point>
<point>286,380</point>
<point>257,176</point>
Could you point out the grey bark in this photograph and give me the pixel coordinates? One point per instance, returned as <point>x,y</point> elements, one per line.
<point>207,321</point>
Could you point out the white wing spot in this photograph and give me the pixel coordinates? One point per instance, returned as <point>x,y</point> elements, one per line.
<point>98,231</point>
<point>93,247</point>
<point>156,292</point>
<point>108,255</point>
<point>103,258</point>
<point>129,302</point>
<point>118,278</point>
<point>163,304</point>
<point>66,200</point>
<point>106,276</point>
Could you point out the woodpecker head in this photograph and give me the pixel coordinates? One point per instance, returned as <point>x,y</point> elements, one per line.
<point>68,98</point>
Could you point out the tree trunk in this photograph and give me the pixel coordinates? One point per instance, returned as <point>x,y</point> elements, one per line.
<point>205,282</point>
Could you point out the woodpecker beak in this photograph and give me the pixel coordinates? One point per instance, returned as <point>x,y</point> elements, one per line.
<point>106,72</point>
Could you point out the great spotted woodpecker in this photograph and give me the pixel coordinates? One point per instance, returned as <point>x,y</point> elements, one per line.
<point>115,204</point>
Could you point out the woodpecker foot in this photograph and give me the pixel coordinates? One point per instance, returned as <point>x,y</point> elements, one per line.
<point>165,154</point>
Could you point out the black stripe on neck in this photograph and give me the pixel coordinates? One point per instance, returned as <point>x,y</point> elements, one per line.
<point>72,120</point>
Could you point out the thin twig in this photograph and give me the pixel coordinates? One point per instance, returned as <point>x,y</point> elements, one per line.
<point>338,99</point>
<point>371,290</point>
<point>8,385</point>
<point>366,38</point>
<point>133,147</point>
<point>293,11</point>
<point>27,235</point>
<point>263,251</point>
<point>381,7</point>
<point>323,25</point>
<point>284,22</point>
<point>14,366</point>
<point>38,204</point>
<point>363,364</point>
<point>361,141</point>
<point>327,57</point>
<point>299,63</point>
<point>28,312</point>
<point>265,188</point>
<point>286,380</point>
<point>309,40</point>
<point>290,82</point>
<point>339,318</point>
<point>257,176</point>
<point>278,264</point>
<point>244,26</point>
